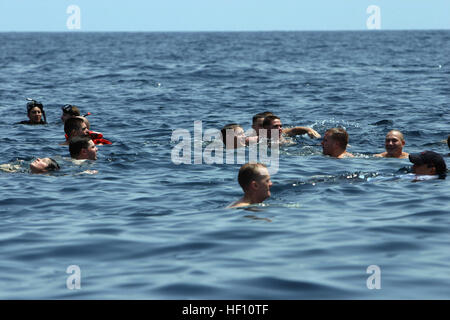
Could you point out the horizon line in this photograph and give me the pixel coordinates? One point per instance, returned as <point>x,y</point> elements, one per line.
<point>209,31</point>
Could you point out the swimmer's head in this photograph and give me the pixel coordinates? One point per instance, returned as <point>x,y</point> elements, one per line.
<point>428,163</point>
<point>43,165</point>
<point>258,120</point>
<point>334,140</point>
<point>272,123</point>
<point>74,127</point>
<point>235,132</point>
<point>35,111</point>
<point>82,148</point>
<point>254,179</point>
<point>394,142</point>
<point>69,111</point>
<point>86,121</point>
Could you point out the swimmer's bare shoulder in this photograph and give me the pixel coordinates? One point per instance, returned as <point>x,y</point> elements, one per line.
<point>346,155</point>
<point>404,155</point>
<point>238,204</point>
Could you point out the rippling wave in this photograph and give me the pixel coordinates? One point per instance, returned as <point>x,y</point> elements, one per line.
<point>145,228</point>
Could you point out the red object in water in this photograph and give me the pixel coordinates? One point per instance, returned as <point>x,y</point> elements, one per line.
<point>96,137</point>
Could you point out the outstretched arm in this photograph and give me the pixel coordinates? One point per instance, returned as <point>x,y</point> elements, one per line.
<point>301,130</point>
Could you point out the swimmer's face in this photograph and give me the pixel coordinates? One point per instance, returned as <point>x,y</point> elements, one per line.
<point>40,165</point>
<point>257,125</point>
<point>423,169</point>
<point>35,115</point>
<point>82,131</point>
<point>91,151</point>
<point>86,121</point>
<point>393,142</point>
<point>263,184</point>
<point>328,144</point>
<point>274,125</point>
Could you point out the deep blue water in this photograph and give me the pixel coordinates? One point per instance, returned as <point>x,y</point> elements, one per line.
<point>145,228</point>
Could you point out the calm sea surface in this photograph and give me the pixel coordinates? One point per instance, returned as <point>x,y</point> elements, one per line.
<point>145,228</point>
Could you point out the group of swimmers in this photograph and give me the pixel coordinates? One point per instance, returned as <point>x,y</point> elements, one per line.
<point>254,178</point>
<point>81,140</point>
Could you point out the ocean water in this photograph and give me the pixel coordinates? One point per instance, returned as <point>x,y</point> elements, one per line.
<point>145,228</point>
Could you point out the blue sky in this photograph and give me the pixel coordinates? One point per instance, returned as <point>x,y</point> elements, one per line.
<point>222,15</point>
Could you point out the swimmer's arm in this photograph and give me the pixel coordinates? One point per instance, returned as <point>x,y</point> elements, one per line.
<point>301,130</point>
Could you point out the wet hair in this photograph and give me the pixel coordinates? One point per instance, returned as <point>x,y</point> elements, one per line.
<point>248,173</point>
<point>33,104</point>
<point>78,143</point>
<point>72,124</point>
<point>261,115</point>
<point>53,165</point>
<point>71,109</point>
<point>88,125</point>
<point>227,127</point>
<point>339,135</point>
<point>269,119</point>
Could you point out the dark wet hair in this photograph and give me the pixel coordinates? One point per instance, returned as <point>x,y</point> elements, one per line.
<point>78,143</point>
<point>33,104</point>
<point>227,127</point>
<point>72,124</point>
<point>431,159</point>
<point>268,120</point>
<point>53,165</point>
<point>261,115</point>
<point>249,172</point>
<point>339,135</point>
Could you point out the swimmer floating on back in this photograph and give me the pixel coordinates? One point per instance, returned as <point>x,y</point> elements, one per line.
<point>44,165</point>
<point>39,165</point>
